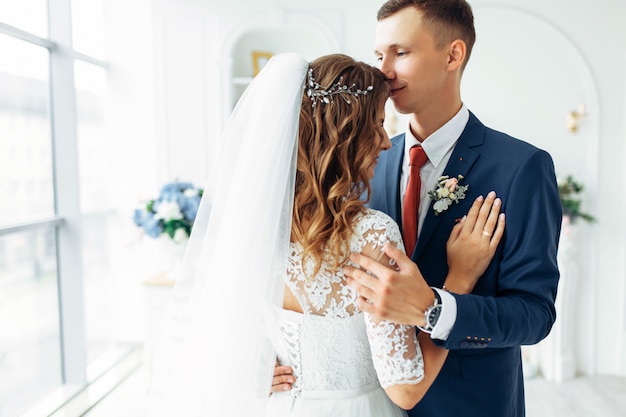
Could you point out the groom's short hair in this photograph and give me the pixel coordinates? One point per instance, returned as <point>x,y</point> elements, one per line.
<point>448,19</point>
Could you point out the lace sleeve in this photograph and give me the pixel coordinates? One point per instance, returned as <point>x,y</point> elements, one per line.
<point>395,350</point>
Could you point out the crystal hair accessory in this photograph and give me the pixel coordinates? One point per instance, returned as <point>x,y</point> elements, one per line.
<point>316,93</point>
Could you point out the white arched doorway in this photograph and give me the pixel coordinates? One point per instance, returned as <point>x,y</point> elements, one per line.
<point>275,31</point>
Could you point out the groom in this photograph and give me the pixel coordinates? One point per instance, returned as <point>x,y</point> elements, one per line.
<point>423,47</point>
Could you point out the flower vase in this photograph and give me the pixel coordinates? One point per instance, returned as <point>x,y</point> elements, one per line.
<point>172,253</point>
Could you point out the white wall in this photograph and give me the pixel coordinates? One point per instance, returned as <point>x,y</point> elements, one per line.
<point>190,70</point>
<point>131,131</point>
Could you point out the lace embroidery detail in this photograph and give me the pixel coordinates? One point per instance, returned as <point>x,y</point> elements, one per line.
<point>347,359</point>
<point>396,352</point>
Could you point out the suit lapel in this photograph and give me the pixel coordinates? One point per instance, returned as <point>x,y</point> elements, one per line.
<point>461,162</point>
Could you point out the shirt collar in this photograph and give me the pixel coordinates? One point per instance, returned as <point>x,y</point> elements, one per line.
<point>442,140</point>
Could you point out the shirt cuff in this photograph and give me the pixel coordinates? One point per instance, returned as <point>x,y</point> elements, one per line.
<point>447,318</point>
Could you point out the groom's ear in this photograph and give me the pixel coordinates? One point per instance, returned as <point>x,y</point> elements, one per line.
<point>457,52</point>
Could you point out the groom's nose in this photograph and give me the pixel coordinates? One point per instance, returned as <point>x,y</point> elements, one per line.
<point>386,66</point>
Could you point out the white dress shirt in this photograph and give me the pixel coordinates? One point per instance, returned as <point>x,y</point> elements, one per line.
<point>438,148</point>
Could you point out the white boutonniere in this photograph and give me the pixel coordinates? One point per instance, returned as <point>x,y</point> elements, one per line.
<point>447,192</point>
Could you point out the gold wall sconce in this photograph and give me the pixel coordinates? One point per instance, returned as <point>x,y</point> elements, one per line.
<point>573,118</point>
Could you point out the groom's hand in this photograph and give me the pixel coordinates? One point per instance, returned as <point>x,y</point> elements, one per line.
<point>401,295</point>
<point>283,378</point>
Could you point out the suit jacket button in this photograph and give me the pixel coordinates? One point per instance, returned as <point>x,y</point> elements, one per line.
<point>464,344</point>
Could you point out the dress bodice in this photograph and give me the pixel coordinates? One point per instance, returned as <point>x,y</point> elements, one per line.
<point>328,354</point>
<point>332,346</point>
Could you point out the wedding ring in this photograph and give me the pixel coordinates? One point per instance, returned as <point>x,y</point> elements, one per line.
<point>486,233</point>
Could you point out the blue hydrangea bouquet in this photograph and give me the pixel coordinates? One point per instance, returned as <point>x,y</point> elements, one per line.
<point>172,213</point>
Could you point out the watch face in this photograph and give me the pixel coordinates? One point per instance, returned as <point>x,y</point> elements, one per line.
<point>433,315</point>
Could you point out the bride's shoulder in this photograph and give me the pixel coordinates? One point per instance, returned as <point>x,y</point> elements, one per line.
<point>376,227</point>
<point>370,218</point>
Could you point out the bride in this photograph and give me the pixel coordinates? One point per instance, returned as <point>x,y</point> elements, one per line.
<point>262,278</point>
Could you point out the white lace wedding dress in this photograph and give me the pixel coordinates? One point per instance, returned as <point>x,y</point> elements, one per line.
<point>340,356</point>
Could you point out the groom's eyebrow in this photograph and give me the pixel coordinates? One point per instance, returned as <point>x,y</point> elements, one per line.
<point>378,52</point>
<point>391,47</point>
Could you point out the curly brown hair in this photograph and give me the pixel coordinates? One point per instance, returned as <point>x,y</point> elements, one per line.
<point>337,143</point>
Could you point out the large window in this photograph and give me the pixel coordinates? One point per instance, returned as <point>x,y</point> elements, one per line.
<point>55,306</point>
<point>30,336</point>
<point>26,175</point>
<point>28,15</point>
<point>94,168</point>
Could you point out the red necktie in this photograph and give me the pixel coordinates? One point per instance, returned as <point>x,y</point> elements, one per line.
<point>412,198</point>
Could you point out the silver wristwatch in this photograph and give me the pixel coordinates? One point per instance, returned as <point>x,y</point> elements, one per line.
<point>431,315</point>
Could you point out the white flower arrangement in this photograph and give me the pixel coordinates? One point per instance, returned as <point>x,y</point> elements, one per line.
<point>172,213</point>
<point>447,192</point>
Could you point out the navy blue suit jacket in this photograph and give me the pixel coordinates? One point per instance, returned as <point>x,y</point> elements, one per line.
<point>513,302</point>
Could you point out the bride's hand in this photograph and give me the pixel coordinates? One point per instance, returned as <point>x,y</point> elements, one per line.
<point>473,243</point>
<point>283,378</point>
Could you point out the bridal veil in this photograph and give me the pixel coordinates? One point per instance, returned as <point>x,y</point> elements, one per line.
<point>216,356</point>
